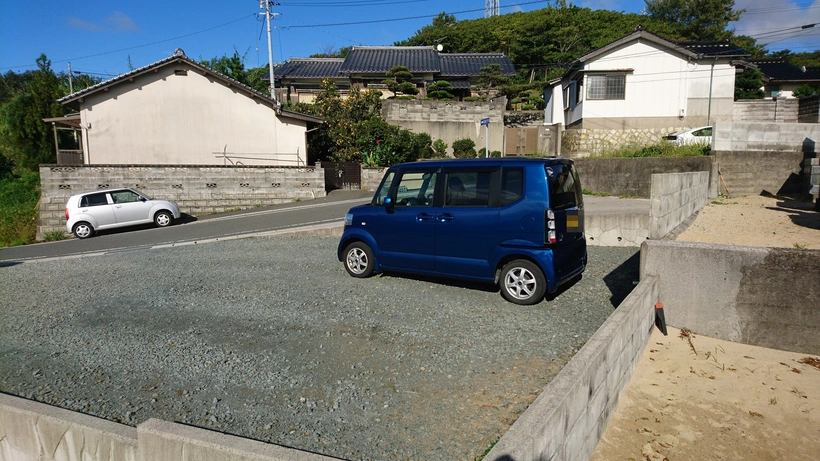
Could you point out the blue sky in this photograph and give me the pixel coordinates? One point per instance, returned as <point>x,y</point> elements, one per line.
<point>99,37</point>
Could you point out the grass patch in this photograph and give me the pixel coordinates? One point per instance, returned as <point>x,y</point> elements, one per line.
<point>597,194</point>
<point>663,149</point>
<point>19,205</point>
<point>55,236</point>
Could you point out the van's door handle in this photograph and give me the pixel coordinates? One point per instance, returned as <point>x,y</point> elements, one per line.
<point>446,217</point>
<point>424,217</point>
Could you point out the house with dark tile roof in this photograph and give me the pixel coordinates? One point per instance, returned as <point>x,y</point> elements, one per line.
<point>781,78</point>
<point>177,111</point>
<point>299,79</point>
<point>645,82</point>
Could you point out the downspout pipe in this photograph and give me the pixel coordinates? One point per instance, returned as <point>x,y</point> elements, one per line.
<point>711,80</point>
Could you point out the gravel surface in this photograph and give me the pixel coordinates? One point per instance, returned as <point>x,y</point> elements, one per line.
<point>270,339</point>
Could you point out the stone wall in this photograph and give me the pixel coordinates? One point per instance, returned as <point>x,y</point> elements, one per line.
<point>632,177</point>
<point>674,198</point>
<point>372,177</point>
<point>585,142</point>
<point>766,110</point>
<point>197,190</point>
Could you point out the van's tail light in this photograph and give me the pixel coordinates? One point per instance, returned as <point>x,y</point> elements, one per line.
<point>550,224</point>
<point>66,212</point>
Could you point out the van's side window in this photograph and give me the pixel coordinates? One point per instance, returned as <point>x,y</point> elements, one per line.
<point>416,189</point>
<point>93,200</point>
<point>468,188</point>
<point>384,189</point>
<point>565,189</point>
<point>512,185</point>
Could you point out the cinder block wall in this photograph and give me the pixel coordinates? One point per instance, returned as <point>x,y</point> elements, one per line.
<point>567,420</point>
<point>766,110</point>
<point>765,137</point>
<point>675,197</point>
<point>197,189</point>
<point>372,177</point>
<point>632,177</point>
<point>766,297</point>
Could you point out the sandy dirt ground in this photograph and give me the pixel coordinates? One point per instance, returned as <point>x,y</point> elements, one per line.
<point>698,398</point>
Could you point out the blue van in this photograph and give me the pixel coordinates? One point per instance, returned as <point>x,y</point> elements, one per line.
<point>515,222</point>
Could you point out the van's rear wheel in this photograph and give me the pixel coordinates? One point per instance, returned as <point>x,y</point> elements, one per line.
<point>522,282</point>
<point>359,260</point>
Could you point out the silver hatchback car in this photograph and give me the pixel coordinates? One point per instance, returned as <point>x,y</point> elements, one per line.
<point>108,209</point>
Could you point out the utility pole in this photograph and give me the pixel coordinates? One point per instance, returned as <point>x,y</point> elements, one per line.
<point>491,8</point>
<point>266,4</point>
<point>70,82</point>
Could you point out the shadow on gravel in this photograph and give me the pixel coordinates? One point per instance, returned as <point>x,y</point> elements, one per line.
<point>9,263</point>
<point>620,281</point>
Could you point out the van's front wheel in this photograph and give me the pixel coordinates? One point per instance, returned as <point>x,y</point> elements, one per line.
<point>359,260</point>
<point>522,282</point>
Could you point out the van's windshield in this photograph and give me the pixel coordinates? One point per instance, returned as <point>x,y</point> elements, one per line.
<point>565,188</point>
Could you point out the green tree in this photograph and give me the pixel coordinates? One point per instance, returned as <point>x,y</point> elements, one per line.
<point>464,148</point>
<point>234,67</point>
<point>439,149</point>
<point>441,89</point>
<point>805,91</point>
<point>24,138</point>
<point>490,77</point>
<point>696,19</point>
<point>748,85</point>
<point>400,81</point>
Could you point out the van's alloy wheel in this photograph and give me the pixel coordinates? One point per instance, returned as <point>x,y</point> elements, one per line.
<point>83,230</point>
<point>359,260</point>
<point>522,282</point>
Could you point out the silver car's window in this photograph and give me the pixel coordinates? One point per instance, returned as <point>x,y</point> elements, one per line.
<point>93,200</point>
<point>124,196</point>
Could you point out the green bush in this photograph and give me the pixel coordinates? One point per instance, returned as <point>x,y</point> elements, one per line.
<point>464,148</point>
<point>439,149</point>
<point>805,91</point>
<point>19,199</point>
<point>663,149</point>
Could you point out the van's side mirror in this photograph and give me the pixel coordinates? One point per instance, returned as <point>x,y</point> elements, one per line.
<point>388,204</point>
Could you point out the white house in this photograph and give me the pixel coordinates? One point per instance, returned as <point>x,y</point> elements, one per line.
<point>179,112</point>
<point>642,82</point>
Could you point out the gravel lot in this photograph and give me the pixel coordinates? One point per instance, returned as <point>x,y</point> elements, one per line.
<point>271,339</point>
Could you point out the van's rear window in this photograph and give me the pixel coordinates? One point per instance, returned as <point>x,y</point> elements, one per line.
<point>565,189</point>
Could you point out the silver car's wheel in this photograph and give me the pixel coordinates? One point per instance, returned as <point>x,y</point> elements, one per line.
<point>522,282</point>
<point>163,219</point>
<point>83,230</point>
<point>359,260</point>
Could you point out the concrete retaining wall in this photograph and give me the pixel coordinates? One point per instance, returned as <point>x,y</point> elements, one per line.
<point>751,173</point>
<point>766,297</point>
<point>766,137</point>
<point>632,177</point>
<point>567,420</point>
<point>674,198</point>
<point>196,189</point>
<point>617,229</point>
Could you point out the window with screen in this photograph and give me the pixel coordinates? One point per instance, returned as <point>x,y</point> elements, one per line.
<point>606,87</point>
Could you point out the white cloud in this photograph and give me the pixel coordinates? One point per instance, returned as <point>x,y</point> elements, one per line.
<point>115,22</point>
<point>121,22</point>
<point>777,23</point>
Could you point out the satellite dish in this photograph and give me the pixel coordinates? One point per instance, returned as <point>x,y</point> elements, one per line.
<point>439,47</point>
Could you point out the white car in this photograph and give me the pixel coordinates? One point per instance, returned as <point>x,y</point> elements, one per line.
<point>701,136</point>
<point>107,209</point>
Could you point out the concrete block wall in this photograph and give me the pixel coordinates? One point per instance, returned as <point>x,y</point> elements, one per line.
<point>585,142</point>
<point>567,420</point>
<point>196,189</point>
<point>372,177</point>
<point>632,177</point>
<point>674,198</point>
<point>751,173</point>
<point>449,120</point>
<point>780,110</point>
<point>811,173</point>
<point>766,297</point>
<point>809,110</point>
<point>765,137</point>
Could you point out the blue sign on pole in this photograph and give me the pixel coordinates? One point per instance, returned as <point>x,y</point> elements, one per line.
<point>485,121</point>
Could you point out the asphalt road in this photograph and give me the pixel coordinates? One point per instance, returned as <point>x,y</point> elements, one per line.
<point>190,229</point>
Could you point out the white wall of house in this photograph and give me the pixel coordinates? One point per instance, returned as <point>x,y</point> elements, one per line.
<point>163,118</point>
<point>662,88</point>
